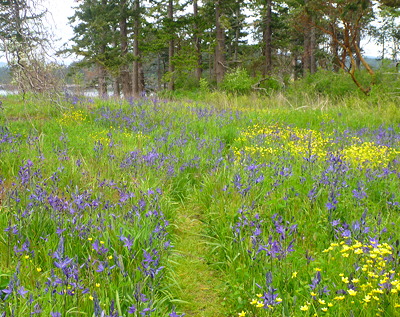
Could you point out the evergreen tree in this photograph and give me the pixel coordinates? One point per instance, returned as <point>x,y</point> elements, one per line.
<point>95,36</point>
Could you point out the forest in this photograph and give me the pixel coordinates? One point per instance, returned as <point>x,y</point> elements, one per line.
<point>130,47</point>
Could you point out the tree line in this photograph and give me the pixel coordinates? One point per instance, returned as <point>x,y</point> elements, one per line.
<point>168,44</point>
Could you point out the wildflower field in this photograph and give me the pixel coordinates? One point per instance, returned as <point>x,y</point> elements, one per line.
<point>155,208</point>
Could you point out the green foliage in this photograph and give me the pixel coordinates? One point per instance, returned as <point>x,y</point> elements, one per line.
<point>186,81</point>
<point>328,83</point>
<point>238,82</point>
<point>204,85</point>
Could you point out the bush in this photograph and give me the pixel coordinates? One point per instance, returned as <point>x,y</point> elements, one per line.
<point>326,83</point>
<point>238,82</point>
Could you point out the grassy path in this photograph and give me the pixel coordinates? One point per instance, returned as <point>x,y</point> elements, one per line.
<point>199,287</point>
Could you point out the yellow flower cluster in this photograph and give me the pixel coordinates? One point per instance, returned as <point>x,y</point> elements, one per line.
<point>308,143</point>
<point>369,154</point>
<point>101,136</point>
<point>72,117</point>
<point>375,282</point>
<point>255,151</point>
<point>141,136</point>
<point>266,141</point>
<point>275,138</point>
<point>259,304</point>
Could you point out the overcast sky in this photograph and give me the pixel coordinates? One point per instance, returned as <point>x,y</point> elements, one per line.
<point>60,10</point>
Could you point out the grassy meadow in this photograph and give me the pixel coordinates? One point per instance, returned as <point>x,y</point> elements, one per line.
<point>234,206</point>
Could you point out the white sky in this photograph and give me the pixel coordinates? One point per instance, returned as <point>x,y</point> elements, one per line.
<point>60,10</point>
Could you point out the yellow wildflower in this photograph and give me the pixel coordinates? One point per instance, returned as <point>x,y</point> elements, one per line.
<point>305,308</point>
<point>352,292</point>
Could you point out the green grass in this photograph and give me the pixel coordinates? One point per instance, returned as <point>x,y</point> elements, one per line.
<point>249,190</point>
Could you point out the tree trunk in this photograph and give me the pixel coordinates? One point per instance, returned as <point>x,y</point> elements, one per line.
<point>116,87</point>
<point>171,68</point>
<point>358,43</point>
<point>159,71</point>
<point>313,45</point>
<point>136,53</point>
<point>268,38</point>
<point>197,42</point>
<point>307,53</point>
<point>307,46</point>
<point>142,84</point>
<point>236,51</point>
<point>335,50</point>
<point>220,47</point>
<point>102,81</point>
<point>125,76</point>
<point>102,70</point>
<point>294,67</point>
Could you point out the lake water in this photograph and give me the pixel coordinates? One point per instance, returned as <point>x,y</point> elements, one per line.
<point>91,93</point>
<point>4,92</point>
<point>87,93</point>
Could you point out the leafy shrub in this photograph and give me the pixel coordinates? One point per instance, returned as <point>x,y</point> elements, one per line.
<point>204,86</point>
<point>186,81</point>
<point>327,83</point>
<point>238,82</point>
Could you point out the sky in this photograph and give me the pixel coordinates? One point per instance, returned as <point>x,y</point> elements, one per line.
<point>60,10</point>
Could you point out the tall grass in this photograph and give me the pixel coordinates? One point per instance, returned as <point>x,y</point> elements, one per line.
<point>298,197</point>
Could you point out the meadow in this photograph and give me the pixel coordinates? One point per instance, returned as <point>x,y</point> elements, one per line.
<point>171,208</point>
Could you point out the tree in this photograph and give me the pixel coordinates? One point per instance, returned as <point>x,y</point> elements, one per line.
<point>309,61</point>
<point>388,32</point>
<point>268,38</point>
<point>171,47</point>
<point>219,59</point>
<point>197,40</point>
<point>353,16</point>
<point>137,83</point>
<point>95,38</point>
<point>123,31</point>
<point>24,41</point>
